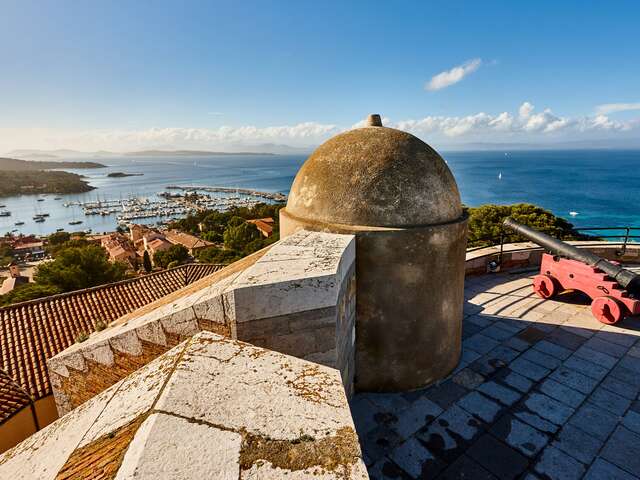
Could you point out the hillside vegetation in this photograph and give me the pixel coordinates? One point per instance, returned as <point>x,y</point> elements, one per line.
<point>16,165</point>
<point>24,182</point>
<point>485,224</point>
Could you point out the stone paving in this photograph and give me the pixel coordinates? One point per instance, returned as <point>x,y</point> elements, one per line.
<point>543,390</point>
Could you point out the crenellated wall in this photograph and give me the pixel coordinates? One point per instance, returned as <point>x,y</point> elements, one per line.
<point>298,298</point>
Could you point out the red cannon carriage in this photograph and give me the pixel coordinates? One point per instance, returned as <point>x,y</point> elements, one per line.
<point>614,291</point>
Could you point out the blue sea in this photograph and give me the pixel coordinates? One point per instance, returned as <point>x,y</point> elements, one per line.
<point>601,186</point>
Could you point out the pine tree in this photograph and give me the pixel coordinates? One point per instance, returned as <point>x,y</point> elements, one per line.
<point>146,262</point>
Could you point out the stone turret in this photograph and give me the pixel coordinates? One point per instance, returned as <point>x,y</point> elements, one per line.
<point>397,195</point>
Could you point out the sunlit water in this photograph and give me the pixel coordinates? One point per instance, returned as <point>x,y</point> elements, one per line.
<point>601,186</point>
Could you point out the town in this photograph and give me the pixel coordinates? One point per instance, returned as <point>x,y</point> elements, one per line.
<point>207,236</point>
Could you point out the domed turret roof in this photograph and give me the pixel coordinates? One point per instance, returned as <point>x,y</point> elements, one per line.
<point>375,176</point>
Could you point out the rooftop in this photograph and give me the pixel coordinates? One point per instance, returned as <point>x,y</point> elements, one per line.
<point>31,332</point>
<point>189,241</point>
<point>542,388</point>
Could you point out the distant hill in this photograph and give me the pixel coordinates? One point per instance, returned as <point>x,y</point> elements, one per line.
<point>188,153</point>
<point>12,164</point>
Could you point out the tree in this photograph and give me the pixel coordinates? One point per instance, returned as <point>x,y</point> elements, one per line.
<point>175,253</point>
<point>58,238</point>
<point>146,262</point>
<point>485,223</point>
<point>239,234</point>
<point>29,291</point>
<point>218,255</point>
<point>75,268</point>
<point>6,255</point>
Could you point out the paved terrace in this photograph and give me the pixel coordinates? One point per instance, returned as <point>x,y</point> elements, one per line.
<point>543,390</point>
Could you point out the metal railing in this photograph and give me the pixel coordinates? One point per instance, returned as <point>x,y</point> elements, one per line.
<point>624,236</point>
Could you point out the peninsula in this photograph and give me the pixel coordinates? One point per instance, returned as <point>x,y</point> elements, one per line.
<point>16,165</point>
<point>25,177</point>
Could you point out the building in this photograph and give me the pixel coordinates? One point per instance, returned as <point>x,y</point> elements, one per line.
<point>156,245</point>
<point>119,248</point>
<point>256,371</point>
<point>14,280</point>
<point>27,249</point>
<point>32,332</point>
<point>264,225</point>
<point>191,242</point>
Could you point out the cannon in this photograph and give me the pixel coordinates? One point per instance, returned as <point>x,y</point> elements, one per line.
<point>614,290</point>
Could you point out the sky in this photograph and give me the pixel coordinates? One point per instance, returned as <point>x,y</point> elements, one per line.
<point>122,75</point>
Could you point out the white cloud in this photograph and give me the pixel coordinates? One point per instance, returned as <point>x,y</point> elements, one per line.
<point>449,77</point>
<point>608,108</point>
<point>525,110</point>
<point>525,124</point>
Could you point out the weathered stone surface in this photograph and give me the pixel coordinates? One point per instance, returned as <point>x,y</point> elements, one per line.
<point>298,299</point>
<point>398,197</point>
<point>168,447</point>
<point>209,408</point>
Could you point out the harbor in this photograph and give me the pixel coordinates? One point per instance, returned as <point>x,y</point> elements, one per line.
<point>157,209</point>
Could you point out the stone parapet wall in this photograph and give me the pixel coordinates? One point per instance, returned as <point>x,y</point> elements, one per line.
<point>211,407</point>
<point>298,298</point>
<point>527,254</point>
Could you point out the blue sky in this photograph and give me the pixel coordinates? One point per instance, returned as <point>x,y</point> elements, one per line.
<point>122,74</point>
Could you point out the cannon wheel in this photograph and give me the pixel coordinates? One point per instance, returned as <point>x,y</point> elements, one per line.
<point>545,286</point>
<point>607,310</point>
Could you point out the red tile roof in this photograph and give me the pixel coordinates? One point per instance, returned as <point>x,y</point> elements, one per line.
<point>31,332</point>
<point>12,397</point>
<point>189,241</point>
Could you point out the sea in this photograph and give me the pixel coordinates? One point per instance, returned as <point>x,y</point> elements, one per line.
<point>590,188</point>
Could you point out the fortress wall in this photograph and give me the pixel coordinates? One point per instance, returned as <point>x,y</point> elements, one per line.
<point>298,299</point>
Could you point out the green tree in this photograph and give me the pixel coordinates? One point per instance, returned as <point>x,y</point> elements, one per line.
<point>27,292</point>
<point>239,234</point>
<point>6,255</point>
<point>485,223</point>
<point>218,255</point>
<point>146,262</point>
<point>75,268</point>
<point>58,238</point>
<point>175,253</point>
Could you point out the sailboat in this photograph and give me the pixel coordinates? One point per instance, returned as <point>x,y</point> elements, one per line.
<point>500,176</point>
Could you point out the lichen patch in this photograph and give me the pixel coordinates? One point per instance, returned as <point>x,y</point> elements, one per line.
<point>336,453</point>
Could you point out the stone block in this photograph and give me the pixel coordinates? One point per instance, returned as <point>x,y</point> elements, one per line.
<point>573,379</point>
<point>451,433</point>
<point>562,393</point>
<point>610,401</point>
<point>411,457</point>
<point>480,406</point>
<point>594,421</point>
<point>524,438</point>
<point>504,395</point>
<point>529,369</point>
<point>556,464</point>
<point>601,469</point>
<point>578,444</point>
<point>622,450</point>
<point>548,408</point>
<point>210,407</point>
<point>498,458</point>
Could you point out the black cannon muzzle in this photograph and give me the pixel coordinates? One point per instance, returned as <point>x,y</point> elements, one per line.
<point>627,279</point>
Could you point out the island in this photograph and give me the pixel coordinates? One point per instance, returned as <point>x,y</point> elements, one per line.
<point>122,174</point>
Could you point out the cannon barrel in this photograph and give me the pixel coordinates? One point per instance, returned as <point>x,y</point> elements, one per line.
<point>627,279</point>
